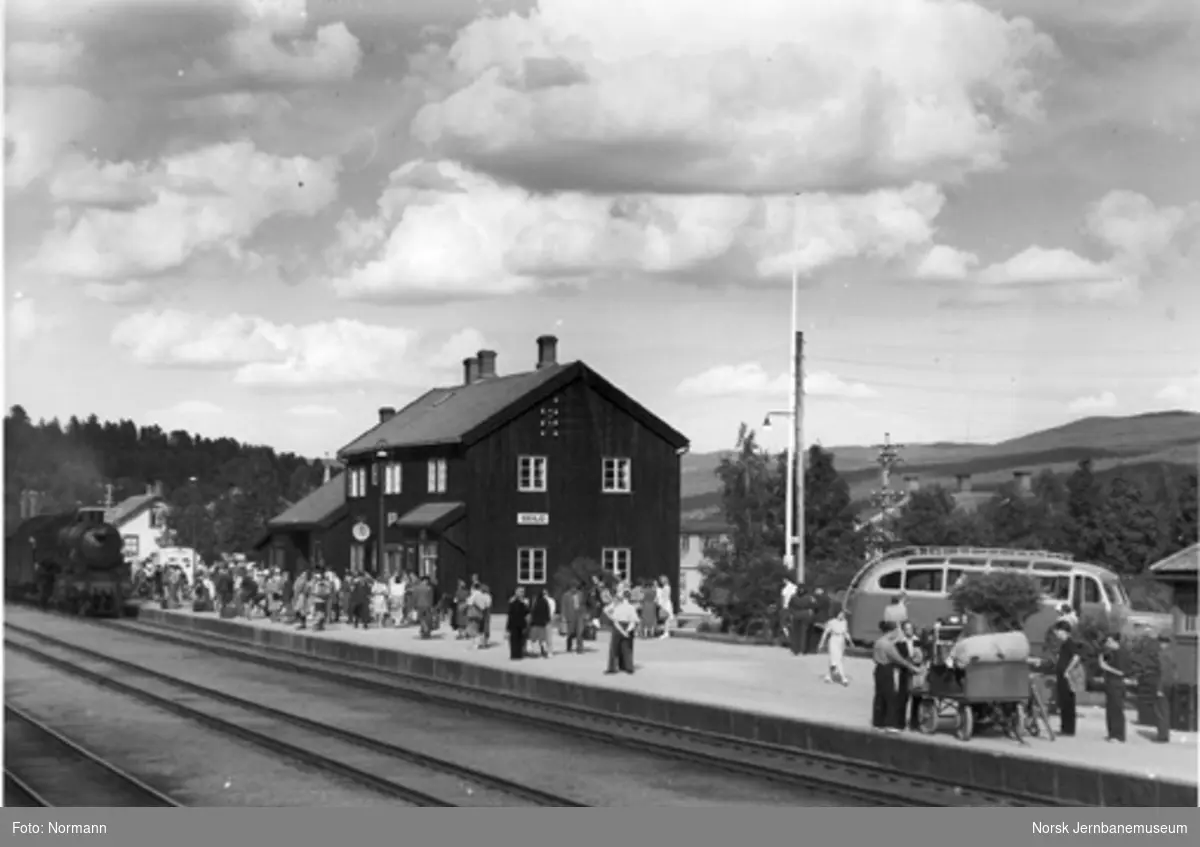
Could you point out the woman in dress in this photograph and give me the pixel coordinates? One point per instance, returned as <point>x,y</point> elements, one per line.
<point>379,601</point>
<point>836,634</point>
<point>648,610</point>
<point>666,606</point>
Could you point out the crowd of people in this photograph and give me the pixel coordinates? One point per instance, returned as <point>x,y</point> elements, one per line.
<point>902,665</point>
<point>318,598</point>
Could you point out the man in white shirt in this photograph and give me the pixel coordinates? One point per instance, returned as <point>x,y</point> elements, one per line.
<point>624,618</point>
<point>785,600</point>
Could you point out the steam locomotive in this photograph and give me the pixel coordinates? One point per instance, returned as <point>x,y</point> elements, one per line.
<point>71,561</point>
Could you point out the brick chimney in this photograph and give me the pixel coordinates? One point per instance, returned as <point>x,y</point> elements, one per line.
<point>487,364</point>
<point>964,481</point>
<point>912,483</point>
<point>1024,481</point>
<point>470,370</point>
<point>547,351</point>
<point>158,488</point>
<point>386,413</point>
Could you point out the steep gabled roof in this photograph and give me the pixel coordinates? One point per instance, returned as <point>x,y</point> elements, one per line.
<point>467,413</point>
<point>320,508</point>
<point>131,507</point>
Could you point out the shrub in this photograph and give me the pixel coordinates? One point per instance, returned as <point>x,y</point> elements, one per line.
<point>583,569</point>
<point>1005,599</point>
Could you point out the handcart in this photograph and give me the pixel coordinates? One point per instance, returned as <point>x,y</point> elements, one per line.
<point>981,695</point>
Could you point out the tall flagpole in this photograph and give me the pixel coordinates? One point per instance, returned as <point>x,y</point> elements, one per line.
<point>789,538</point>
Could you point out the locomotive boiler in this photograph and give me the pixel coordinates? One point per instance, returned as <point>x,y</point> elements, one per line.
<point>72,561</point>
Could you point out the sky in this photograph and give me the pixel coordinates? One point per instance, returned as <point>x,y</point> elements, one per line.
<point>268,218</point>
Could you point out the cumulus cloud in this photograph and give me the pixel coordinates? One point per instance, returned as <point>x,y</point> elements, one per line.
<point>41,61</point>
<point>604,94</point>
<point>752,380</point>
<point>1183,393</point>
<point>261,353</point>
<point>332,55</point>
<point>208,199</point>
<point>444,231</point>
<point>1141,242</point>
<point>1103,402</point>
<point>41,124</point>
<point>23,321</point>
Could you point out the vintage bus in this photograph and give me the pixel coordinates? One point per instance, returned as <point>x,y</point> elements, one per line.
<point>926,575</point>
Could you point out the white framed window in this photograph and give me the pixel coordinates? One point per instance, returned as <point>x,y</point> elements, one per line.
<point>617,561</point>
<point>531,473</point>
<point>618,476</point>
<point>437,476</point>
<point>356,482</point>
<point>358,557</point>
<point>685,544</point>
<point>429,559</point>
<point>531,566</point>
<point>393,478</point>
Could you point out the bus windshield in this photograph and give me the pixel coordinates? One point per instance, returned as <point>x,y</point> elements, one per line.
<point>1115,591</point>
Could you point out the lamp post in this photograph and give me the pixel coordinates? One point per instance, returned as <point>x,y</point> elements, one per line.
<point>194,529</point>
<point>381,454</point>
<point>793,544</point>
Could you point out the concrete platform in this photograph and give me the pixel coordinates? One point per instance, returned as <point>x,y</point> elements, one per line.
<point>754,693</point>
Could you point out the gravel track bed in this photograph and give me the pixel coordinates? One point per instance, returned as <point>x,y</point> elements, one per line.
<point>194,765</point>
<point>588,771</point>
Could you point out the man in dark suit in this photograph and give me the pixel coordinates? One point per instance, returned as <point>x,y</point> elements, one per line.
<point>423,605</point>
<point>575,616</point>
<point>360,602</point>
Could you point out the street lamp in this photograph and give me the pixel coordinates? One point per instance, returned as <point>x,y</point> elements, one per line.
<point>790,560</point>
<point>195,530</point>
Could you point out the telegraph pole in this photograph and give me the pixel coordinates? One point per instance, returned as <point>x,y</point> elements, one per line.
<point>889,457</point>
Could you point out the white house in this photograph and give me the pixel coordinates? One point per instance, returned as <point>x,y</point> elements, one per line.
<point>142,521</point>
<point>694,537</point>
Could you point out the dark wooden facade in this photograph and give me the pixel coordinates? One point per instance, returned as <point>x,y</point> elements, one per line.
<point>315,532</point>
<point>573,418</point>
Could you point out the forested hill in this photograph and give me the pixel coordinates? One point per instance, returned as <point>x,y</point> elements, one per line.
<point>238,486</point>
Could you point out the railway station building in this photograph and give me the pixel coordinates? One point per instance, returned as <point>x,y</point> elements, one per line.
<point>510,477</point>
<point>312,532</point>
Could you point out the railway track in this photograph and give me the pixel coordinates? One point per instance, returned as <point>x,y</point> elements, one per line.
<point>862,782</point>
<point>43,767</point>
<point>382,767</point>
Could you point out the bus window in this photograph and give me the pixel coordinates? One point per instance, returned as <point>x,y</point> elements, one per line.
<point>968,560</point>
<point>927,560</point>
<point>892,580</point>
<point>953,575</point>
<point>924,579</point>
<point>1057,588</point>
<point>1091,590</point>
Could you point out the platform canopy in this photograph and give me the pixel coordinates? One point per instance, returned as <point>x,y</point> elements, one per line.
<point>433,516</point>
<point>1179,567</point>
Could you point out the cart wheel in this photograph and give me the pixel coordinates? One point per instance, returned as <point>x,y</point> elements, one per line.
<point>1032,728</point>
<point>927,716</point>
<point>1017,721</point>
<point>966,722</point>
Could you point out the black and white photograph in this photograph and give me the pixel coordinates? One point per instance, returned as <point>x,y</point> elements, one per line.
<point>617,403</point>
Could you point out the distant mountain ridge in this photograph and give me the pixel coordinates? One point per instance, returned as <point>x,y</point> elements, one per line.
<point>1151,438</point>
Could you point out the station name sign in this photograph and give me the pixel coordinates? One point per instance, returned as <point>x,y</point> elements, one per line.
<point>533,519</point>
